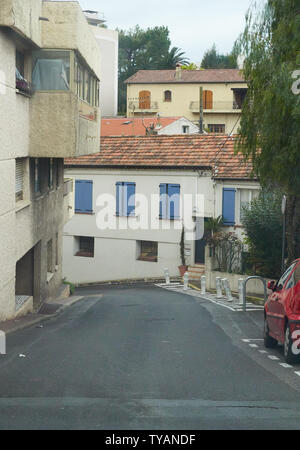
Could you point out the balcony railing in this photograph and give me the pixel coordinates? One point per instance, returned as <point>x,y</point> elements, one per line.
<point>217,106</point>
<point>137,106</point>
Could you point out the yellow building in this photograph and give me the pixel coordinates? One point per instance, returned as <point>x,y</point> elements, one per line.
<point>177,93</point>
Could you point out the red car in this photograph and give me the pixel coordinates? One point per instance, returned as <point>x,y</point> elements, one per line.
<point>282,314</point>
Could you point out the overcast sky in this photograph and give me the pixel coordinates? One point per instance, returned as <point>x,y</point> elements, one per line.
<point>194,24</point>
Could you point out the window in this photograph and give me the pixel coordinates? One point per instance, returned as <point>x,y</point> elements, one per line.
<point>50,173</point>
<point>246,197</point>
<point>167,96</point>
<point>57,173</point>
<point>207,100</point>
<point>285,276</point>
<point>83,196</point>
<point>37,176</point>
<point>49,257</point>
<point>216,128</point>
<point>169,204</point>
<point>85,246</point>
<point>51,70</point>
<point>144,99</point>
<point>228,206</point>
<point>185,129</point>
<point>125,199</point>
<point>20,63</point>
<point>19,179</point>
<point>147,251</point>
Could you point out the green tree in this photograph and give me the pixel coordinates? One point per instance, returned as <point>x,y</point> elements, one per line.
<point>263,226</point>
<point>214,60</point>
<point>269,129</point>
<point>148,49</point>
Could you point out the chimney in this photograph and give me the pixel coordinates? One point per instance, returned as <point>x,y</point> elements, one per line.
<point>178,72</point>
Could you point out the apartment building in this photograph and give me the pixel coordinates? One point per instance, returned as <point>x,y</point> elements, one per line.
<point>177,93</point>
<point>49,91</point>
<point>108,41</point>
<point>134,197</point>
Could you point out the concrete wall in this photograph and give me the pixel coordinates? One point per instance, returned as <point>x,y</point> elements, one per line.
<point>116,249</point>
<point>182,96</point>
<point>108,41</point>
<point>57,128</point>
<point>68,29</point>
<point>23,17</point>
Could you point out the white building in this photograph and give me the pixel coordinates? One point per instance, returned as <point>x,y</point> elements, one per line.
<point>146,188</point>
<point>108,41</point>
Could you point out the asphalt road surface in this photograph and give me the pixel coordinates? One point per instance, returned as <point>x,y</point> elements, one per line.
<point>141,357</point>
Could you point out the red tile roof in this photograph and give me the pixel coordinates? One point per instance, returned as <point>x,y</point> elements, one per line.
<point>132,126</point>
<point>187,76</point>
<point>215,152</point>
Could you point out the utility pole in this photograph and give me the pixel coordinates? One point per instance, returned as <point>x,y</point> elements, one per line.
<point>201,111</point>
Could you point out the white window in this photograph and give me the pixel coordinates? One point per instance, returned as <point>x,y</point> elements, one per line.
<point>19,179</point>
<point>246,197</point>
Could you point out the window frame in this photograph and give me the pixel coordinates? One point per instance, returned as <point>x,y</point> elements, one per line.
<point>85,251</point>
<point>123,197</point>
<point>165,203</point>
<point>153,258</point>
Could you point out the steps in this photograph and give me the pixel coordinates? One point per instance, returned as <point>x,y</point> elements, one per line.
<point>196,271</point>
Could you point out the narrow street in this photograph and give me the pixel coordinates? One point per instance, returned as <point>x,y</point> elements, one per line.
<point>142,357</point>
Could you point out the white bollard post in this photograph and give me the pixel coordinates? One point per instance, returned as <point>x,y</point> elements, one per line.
<point>2,343</point>
<point>228,290</point>
<point>241,291</point>
<point>223,288</point>
<point>219,287</point>
<point>167,276</point>
<point>203,285</point>
<point>186,281</point>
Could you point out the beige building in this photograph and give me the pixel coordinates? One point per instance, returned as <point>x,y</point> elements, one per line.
<point>177,93</point>
<point>49,77</point>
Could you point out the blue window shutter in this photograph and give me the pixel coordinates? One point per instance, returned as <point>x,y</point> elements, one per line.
<point>129,199</point>
<point>83,196</point>
<point>174,201</point>
<point>228,206</point>
<point>162,201</point>
<point>119,197</point>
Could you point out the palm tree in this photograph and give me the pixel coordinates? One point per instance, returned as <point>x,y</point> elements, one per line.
<point>174,56</point>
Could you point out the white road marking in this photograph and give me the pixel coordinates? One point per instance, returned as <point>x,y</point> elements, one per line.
<point>246,340</point>
<point>262,351</point>
<point>286,366</point>
<point>297,373</point>
<point>274,358</point>
<point>253,345</point>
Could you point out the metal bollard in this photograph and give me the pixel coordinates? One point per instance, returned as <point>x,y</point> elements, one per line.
<point>219,287</point>
<point>167,276</point>
<point>203,285</point>
<point>186,281</point>
<point>227,290</point>
<point>241,291</point>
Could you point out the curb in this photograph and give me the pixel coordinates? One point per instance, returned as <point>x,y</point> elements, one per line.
<point>26,322</point>
<point>254,300</point>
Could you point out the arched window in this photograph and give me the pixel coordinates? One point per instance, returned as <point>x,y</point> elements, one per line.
<point>168,96</point>
<point>207,100</point>
<point>144,99</point>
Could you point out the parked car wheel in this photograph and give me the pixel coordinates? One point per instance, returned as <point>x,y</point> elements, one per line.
<point>269,341</point>
<point>289,356</point>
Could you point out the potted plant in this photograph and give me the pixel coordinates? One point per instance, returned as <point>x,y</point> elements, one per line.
<point>183,268</point>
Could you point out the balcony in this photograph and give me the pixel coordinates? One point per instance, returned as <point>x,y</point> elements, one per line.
<point>65,116</point>
<point>135,107</point>
<point>23,17</point>
<point>218,107</point>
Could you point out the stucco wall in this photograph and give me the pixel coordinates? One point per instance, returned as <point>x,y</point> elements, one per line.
<point>57,129</point>
<point>68,29</point>
<point>183,95</point>
<point>23,17</point>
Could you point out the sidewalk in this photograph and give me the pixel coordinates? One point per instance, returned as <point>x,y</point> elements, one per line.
<point>49,309</point>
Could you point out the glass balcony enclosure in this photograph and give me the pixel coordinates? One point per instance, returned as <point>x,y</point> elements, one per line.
<point>62,70</point>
